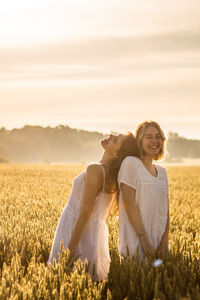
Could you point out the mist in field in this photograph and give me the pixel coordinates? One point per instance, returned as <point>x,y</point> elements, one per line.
<point>181,162</point>
<point>62,144</point>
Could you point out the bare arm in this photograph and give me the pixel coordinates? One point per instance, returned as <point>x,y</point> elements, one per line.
<point>162,247</point>
<point>134,216</point>
<point>166,233</point>
<point>93,186</point>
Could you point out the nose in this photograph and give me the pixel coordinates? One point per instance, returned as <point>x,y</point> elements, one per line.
<point>155,140</point>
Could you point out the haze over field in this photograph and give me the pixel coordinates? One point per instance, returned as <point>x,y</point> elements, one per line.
<point>100,65</point>
<point>62,144</point>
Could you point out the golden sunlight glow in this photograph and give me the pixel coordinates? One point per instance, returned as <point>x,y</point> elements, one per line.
<point>98,64</point>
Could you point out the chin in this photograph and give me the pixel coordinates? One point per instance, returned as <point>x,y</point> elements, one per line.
<point>153,153</point>
<point>103,144</point>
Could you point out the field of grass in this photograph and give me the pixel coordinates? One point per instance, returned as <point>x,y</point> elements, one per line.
<point>31,202</point>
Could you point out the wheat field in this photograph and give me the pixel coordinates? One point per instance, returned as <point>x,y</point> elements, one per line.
<point>31,201</point>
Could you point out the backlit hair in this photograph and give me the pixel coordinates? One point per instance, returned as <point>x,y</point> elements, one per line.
<point>128,148</point>
<point>139,134</point>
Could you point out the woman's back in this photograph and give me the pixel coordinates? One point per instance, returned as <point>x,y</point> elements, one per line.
<point>102,203</point>
<point>93,245</point>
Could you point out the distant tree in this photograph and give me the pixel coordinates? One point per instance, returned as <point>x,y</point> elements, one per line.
<point>46,160</point>
<point>180,147</point>
<point>63,144</point>
<point>3,130</point>
<point>173,135</point>
<point>194,153</point>
<point>3,160</point>
<point>4,153</point>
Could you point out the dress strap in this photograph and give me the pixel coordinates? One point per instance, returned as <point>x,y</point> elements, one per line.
<point>104,178</point>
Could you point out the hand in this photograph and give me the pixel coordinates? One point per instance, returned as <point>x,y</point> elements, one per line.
<point>146,245</point>
<point>162,248</point>
<point>72,252</point>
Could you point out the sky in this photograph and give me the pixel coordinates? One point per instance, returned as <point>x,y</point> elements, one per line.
<point>100,65</point>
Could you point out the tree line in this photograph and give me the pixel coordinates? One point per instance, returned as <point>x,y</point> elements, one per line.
<point>62,144</point>
<point>180,147</point>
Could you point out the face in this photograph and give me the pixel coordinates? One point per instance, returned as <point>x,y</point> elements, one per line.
<point>113,143</point>
<point>152,141</point>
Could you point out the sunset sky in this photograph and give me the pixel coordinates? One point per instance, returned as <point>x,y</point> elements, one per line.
<point>100,65</point>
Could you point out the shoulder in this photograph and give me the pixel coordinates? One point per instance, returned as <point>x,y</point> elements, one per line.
<point>94,170</point>
<point>129,166</point>
<point>162,171</point>
<point>128,173</point>
<point>94,174</point>
<point>130,161</point>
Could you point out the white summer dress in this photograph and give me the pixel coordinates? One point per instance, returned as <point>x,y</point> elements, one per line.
<point>93,245</point>
<point>152,201</point>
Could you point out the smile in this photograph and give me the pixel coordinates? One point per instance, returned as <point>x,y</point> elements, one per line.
<point>154,147</point>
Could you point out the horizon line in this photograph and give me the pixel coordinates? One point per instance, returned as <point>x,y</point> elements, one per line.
<point>82,129</point>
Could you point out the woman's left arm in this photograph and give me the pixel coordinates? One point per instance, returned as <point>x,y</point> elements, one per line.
<point>92,187</point>
<point>162,247</point>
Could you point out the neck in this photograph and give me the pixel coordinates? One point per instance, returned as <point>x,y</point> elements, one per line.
<point>106,159</point>
<point>147,161</point>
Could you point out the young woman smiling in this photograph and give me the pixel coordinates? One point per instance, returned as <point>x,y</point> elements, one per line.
<point>82,227</point>
<point>143,203</point>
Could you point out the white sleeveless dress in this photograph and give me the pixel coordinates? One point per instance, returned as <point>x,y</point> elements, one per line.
<point>93,245</point>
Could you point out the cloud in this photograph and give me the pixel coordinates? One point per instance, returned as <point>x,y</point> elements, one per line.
<point>96,50</point>
<point>103,57</point>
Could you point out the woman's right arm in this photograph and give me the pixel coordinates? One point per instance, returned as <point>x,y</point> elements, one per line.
<point>92,187</point>
<point>128,195</point>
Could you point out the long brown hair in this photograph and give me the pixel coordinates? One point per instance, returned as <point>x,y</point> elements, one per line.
<point>128,148</point>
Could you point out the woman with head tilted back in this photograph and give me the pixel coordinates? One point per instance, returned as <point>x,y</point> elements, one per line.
<point>143,203</point>
<point>82,227</point>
